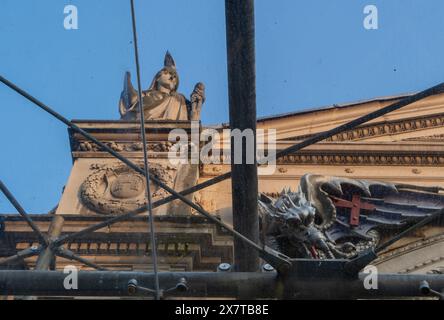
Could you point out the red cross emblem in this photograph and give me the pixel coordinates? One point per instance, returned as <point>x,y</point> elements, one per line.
<point>355,205</point>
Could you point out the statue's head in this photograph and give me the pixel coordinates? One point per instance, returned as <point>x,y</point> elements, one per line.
<point>291,208</point>
<point>167,78</point>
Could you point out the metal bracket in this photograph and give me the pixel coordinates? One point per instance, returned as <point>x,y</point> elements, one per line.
<point>134,288</point>
<point>352,267</point>
<point>425,289</point>
<point>277,260</point>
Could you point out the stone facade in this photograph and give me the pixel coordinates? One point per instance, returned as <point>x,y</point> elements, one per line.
<point>405,146</point>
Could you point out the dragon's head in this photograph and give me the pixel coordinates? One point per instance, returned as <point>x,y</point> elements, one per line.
<point>290,208</point>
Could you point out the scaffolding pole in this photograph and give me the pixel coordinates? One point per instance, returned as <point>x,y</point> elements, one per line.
<point>242,100</point>
<point>219,284</point>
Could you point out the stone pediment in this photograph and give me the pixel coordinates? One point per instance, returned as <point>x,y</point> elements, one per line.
<point>411,136</point>
<point>407,129</point>
<point>424,118</point>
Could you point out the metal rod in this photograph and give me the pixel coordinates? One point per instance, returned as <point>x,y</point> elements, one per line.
<point>43,239</point>
<point>265,253</point>
<point>242,100</point>
<point>145,156</point>
<point>68,254</point>
<point>26,253</point>
<point>217,284</point>
<point>414,227</point>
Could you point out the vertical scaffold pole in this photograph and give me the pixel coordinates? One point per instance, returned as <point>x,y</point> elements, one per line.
<point>242,100</point>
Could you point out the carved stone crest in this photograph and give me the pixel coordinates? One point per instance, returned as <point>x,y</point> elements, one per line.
<point>119,189</point>
<point>127,186</point>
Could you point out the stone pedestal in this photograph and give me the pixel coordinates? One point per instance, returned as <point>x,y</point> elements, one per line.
<point>101,184</point>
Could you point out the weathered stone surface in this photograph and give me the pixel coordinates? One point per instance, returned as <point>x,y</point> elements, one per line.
<point>404,147</point>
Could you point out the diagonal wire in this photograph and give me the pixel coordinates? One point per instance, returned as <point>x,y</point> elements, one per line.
<point>145,156</point>
<point>43,239</point>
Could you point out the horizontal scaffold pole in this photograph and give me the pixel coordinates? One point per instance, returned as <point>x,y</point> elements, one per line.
<point>216,284</point>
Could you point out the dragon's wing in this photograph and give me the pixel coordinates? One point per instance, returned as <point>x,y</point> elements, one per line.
<point>319,189</point>
<point>382,206</point>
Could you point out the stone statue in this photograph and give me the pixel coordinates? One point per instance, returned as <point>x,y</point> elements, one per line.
<point>333,217</point>
<point>162,101</point>
<point>288,225</point>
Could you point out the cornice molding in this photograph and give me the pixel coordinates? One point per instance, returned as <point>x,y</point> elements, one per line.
<point>386,128</point>
<point>355,158</point>
<point>365,159</point>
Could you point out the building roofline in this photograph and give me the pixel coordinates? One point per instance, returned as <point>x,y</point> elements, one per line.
<point>327,107</point>
<point>335,106</point>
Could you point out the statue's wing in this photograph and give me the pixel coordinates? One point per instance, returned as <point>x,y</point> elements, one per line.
<point>128,95</point>
<point>388,212</point>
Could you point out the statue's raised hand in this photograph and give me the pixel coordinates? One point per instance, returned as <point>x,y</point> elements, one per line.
<point>197,100</point>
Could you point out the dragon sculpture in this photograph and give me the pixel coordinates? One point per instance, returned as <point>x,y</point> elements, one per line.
<point>332,217</point>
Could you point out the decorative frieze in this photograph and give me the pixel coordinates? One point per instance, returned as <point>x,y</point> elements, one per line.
<point>347,158</point>
<point>386,128</point>
<point>390,128</point>
<point>435,137</point>
<point>86,146</point>
<point>373,159</point>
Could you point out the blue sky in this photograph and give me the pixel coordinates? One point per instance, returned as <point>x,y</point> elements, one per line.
<point>309,53</point>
